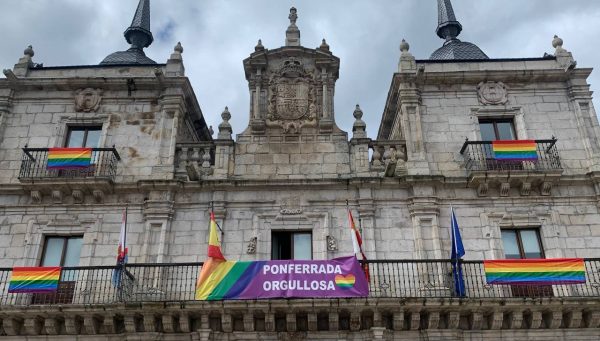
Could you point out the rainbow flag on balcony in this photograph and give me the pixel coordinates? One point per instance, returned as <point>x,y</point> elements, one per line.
<point>515,150</point>
<point>34,279</point>
<point>69,158</point>
<point>535,271</point>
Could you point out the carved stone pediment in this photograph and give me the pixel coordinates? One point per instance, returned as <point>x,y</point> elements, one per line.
<point>292,100</point>
<point>88,100</point>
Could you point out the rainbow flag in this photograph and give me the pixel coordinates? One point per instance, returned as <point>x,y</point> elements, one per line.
<point>515,150</point>
<point>34,279</point>
<point>69,158</point>
<point>535,271</point>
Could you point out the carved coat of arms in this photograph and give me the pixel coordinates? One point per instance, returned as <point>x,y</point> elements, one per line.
<point>87,100</point>
<point>292,99</point>
<point>492,93</point>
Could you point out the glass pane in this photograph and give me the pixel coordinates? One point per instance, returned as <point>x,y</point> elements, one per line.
<point>505,131</point>
<point>302,246</point>
<point>487,131</point>
<point>281,245</point>
<point>72,258</point>
<point>75,138</point>
<point>531,245</point>
<point>511,248</point>
<point>73,252</point>
<point>53,253</point>
<point>93,139</point>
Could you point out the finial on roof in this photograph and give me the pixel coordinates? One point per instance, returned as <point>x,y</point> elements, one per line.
<point>292,34</point>
<point>359,127</point>
<point>259,46</point>
<point>448,27</point>
<point>178,48</point>
<point>557,42</point>
<point>324,46</point>
<point>404,47</point>
<point>225,127</point>
<point>138,34</point>
<point>293,16</point>
<point>29,51</point>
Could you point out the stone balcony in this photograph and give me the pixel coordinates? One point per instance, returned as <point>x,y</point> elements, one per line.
<point>485,172</point>
<point>407,299</point>
<point>40,181</point>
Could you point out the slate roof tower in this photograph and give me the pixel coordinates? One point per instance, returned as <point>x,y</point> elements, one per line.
<point>448,29</point>
<point>139,36</point>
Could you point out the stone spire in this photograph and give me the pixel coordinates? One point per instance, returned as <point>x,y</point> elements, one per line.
<point>292,34</point>
<point>448,27</point>
<point>138,35</point>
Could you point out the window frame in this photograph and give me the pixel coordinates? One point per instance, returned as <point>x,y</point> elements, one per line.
<point>494,121</point>
<point>64,248</point>
<point>520,241</point>
<point>290,235</point>
<point>86,129</point>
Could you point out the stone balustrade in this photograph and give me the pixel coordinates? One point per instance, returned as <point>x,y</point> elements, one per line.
<point>194,160</point>
<point>389,156</point>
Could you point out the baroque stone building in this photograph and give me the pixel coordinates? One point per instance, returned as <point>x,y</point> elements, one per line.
<point>281,189</point>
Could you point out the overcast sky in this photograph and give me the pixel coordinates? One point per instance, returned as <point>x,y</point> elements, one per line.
<point>218,34</point>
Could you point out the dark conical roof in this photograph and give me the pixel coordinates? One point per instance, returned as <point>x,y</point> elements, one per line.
<point>138,35</point>
<point>448,29</point>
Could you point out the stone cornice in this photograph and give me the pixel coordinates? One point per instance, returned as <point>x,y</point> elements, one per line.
<point>391,316</point>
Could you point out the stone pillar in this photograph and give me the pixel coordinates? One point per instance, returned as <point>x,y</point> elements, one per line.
<point>171,115</point>
<point>5,104</point>
<point>224,148</point>
<point>158,213</point>
<point>175,66</point>
<point>366,221</point>
<point>424,213</point>
<point>359,144</point>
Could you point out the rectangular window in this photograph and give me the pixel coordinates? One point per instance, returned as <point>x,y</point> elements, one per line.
<point>291,245</point>
<point>64,252</point>
<point>525,244</point>
<point>522,243</point>
<point>497,129</point>
<point>85,136</point>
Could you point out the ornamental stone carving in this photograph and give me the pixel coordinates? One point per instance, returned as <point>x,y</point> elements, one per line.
<point>490,93</point>
<point>87,100</point>
<point>292,97</point>
<point>251,249</point>
<point>331,243</point>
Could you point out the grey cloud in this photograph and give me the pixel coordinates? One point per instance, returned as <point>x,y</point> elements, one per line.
<point>218,34</point>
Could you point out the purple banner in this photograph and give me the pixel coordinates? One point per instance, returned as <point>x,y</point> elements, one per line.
<point>339,277</point>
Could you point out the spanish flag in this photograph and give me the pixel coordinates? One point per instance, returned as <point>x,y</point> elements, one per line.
<point>212,264</point>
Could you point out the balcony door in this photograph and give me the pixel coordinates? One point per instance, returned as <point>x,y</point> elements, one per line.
<point>493,129</point>
<point>84,137</point>
<point>525,244</point>
<point>64,252</point>
<point>291,245</point>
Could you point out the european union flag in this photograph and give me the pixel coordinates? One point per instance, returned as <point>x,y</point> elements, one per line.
<point>458,250</point>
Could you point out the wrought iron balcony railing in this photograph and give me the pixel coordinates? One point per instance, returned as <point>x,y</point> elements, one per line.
<point>479,156</point>
<point>388,279</point>
<point>35,161</point>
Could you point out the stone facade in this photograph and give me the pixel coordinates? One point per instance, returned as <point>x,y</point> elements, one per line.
<point>293,169</point>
